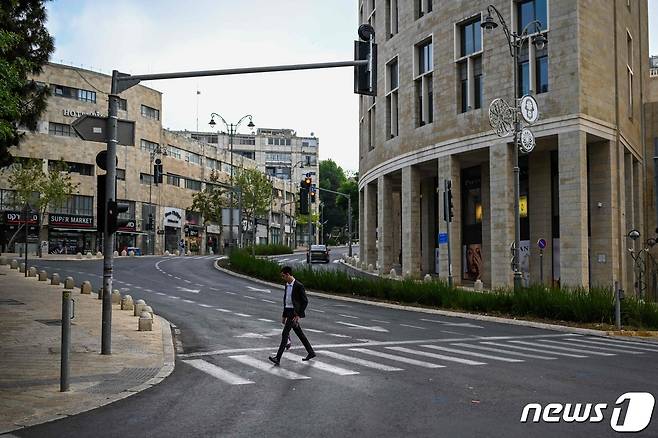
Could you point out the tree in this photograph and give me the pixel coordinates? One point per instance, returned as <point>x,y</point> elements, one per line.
<point>332,177</point>
<point>211,201</point>
<point>41,190</point>
<point>350,187</point>
<point>256,190</point>
<point>25,46</point>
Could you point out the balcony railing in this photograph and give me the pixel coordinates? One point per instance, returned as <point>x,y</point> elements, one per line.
<point>653,72</point>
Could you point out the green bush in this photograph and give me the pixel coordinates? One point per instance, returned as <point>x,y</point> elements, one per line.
<point>595,305</point>
<point>271,249</point>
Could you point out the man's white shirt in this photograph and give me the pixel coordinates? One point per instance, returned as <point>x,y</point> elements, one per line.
<point>288,295</point>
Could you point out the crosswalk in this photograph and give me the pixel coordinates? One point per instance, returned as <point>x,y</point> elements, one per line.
<point>353,361</point>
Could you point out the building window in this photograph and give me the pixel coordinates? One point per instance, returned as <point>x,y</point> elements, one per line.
<point>173,180</point>
<point>193,184</point>
<point>541,80</point>
<point>247,140</point>
<point>73,93</point>
<point>123,104</point>
<point>528,11</point>
<point>148,146</point>
<point>150,113</point>
<point>278,156</point>
<point>469,64</point>
<point>75,204</point>
<point>532,71</point>
<point>175,152</point>
<point>211,163</point>
<point>423,83</point>
<point>371,125</point>
<point>61,129</point>
<point>279,141</point>
<point>391,17</point>
<point>121,174</point>
<point>247,154</point>
<point>73,167</point>
<point>423,7</point>
<point>392,87</point>
<point>194,158</point>
<point>145,178</point>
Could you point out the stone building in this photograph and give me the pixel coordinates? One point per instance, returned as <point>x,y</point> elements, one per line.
<point>582,188</point>
<point>187,167</point>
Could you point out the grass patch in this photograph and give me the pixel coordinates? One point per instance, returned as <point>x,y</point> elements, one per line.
<point>579,305</point>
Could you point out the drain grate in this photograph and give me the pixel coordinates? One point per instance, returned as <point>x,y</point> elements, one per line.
<point>55,322</point>
<point>124,380</point>
<point>10,302</point>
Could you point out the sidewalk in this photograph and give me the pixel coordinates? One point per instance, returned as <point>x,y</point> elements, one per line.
<point>30,336</point>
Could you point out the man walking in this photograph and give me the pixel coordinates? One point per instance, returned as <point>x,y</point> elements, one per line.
<point>294,305</point>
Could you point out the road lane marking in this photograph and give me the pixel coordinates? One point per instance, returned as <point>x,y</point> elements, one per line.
<point>161,293</point>
<point>536,350</point>
<point>199,285</point>
<point>265,320</point>
<point>379,320</point>
<point>268,367</point>
<point>215,289</point>
<point>174,297</point>
<point>268,301</point>
<point>324,366</point>
<point>205,305</point>
<point>574,350</point>
<point>313,330</point>
<point>569,343</point>
<point>499,350</point>
<point>436,356</point>
<point>413,326</point>
<point>248,297</point>
<point>357,361</point>
<point>348,316</point>
<point>471,353</point>
<point>217,372</point>
<point>244,315</point>
<point>317,310</point>
<point>267,291</point>
<point>619,344</point>
<point>184,289</point>
<point>394,357</point>
<point>189,301</point>
<point>454,324</point>
<point>230,293</point>
<point>363,327</point>
<point>338,335</point>
<point>223,310</point>
<point>187,281</point>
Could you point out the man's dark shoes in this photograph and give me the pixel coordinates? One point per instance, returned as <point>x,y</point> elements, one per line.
<point>274,360</point>
<point>309,357</point>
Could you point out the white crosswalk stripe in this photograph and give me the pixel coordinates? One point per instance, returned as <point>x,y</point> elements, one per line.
<point>394,357</point>
<point>614,349</point>
<point>629,345</point>
<point>557,347</point>
<point>217,372</point>
<point>536,350</point>
<point>500,350</point>
<point>436,356</point>
<point>471,353</point>
<point>268,367</point>
<point>357,361</point>
<point>314,363</point>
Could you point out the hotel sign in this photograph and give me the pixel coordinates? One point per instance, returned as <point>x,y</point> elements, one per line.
<point>76,114</point>
<point>173,217</point>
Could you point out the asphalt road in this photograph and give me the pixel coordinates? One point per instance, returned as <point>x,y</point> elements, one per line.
<point>379,372</point>
<point>298,259</point>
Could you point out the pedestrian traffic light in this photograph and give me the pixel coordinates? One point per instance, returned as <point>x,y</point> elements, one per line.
<point>157,171</point>
<point>115,208</point>
<point>313,194</point>
<point>365,75</point>
<point>100,202</point>
<point>451,212</point>
<point>150,225</point>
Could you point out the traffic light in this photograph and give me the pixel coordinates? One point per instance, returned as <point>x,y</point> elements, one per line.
<point>307,182</point>
<point>451,212</point>
<point>149,225</point>
<point>313,194</point>
<point>114,208</point>
<point>100,202</point>
<point>448,207</point>
<point>303,198</point>
<point>157,171</point>
<point>365,75</point>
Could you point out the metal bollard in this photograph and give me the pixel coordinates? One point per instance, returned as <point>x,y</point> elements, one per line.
<point>66,340</point>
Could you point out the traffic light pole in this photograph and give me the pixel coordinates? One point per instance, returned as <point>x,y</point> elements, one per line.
<point>310,225</point>
<point>446,214</point>
<point>110,194</point>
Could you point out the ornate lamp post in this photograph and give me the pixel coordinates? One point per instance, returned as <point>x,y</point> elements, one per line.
<point>505,118</point>
<point>231,128</point>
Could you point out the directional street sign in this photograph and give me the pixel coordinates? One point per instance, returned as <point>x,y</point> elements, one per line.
<point>93,128</point>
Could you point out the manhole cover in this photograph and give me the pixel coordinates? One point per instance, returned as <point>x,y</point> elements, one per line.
<point>10,302</point>
<point>50,321</point>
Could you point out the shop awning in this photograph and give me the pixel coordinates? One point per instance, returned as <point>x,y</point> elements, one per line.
<point>132,232</point>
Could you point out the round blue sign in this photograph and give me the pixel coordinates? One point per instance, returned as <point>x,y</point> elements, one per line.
<point>541,243</point>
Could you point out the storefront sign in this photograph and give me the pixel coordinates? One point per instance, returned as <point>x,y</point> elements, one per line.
<point>76,114</point>
<point>15,218</point>
<point>173,217</point>
<point>71,220</point>
<point>213,229</point>
<point>130,226</point>
<point>193,232</point>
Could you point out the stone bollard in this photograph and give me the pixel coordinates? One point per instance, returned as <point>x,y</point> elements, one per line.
<point>89,255</point>
<point>149,310</point>
<point>21,267</point>
<point>427,278</point>
<point>85,288</point>
<point>78,256</point>
<point>131,253</point>
<point>3,260</point>
<point>14,264</point>
<point>139,305</point>
<point>393,274</point>
<point>116,253</point>
<point>177,252</point>
<point>99,254</point>
<point>478,286</point>
<point>69,283</point>
<point>167,253</point>
<point>32,272</point>
<point>127,303</point>
<point>55,280</point>
<point>124,253</point>
<point>116,296</point>
<point>145,323</point>
<point>211,252</point>
<point>370,268</point>
<point>43,276</point>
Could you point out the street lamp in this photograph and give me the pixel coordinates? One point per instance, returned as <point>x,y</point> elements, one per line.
<point>158,150</point>
<point>232,128</point>
<point>515,42</point>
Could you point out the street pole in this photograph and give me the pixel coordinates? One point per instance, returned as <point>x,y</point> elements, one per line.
<point>349,225</point>
<point>108,252</point>
<point>64,367</point>
<point>26,234</point>
<point>310,225</point>
<point>517,217</point>
<point>447,186</point>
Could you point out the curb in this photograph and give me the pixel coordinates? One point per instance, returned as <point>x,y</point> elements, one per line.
<point>471,316</point>
<point>165,370</point>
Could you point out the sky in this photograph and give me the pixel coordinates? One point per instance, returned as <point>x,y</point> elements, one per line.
<point>140,37</point>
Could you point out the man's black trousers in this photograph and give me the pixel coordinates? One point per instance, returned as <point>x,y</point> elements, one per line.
<point>290,325</point>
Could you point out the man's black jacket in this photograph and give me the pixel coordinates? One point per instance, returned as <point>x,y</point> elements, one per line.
<point>299,299</point>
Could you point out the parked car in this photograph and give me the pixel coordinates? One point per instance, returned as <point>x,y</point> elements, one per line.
<point>319,253</point>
